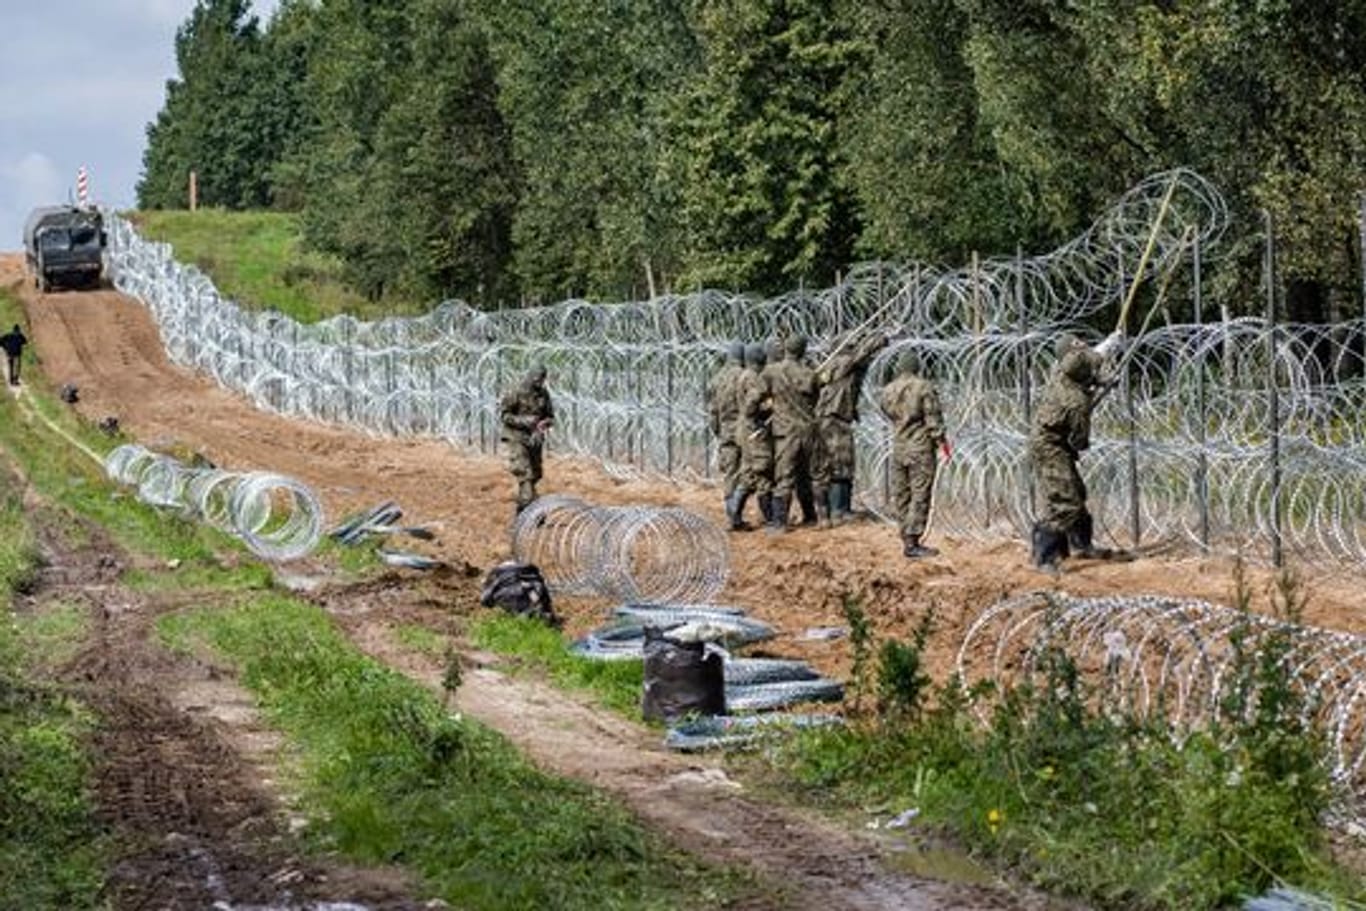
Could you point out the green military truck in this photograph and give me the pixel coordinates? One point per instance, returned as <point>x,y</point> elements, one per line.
<point>64,246</point>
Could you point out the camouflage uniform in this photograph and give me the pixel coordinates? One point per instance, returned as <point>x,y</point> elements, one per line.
<point>754,434</point>
<point>911,403</point>
<point>526,413</point>
<point>794,391</point>
<point>723,411</point>
<point>1060,432</point>
<point>841,381</point>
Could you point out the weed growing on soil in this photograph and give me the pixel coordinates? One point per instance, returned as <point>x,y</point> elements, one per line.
<point>618,684</point>
<point>1083,799</point>
<point>393,778</point>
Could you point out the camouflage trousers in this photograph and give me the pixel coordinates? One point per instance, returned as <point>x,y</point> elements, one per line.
<point>756,464</point>
<point>524,461</point>
<point>833,456</point>
<point>729,461</point>
<point>912,471</point>
<point>1059,487</point>
<point>792,458</point>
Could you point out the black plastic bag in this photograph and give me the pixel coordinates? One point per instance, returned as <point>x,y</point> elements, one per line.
<point>519,588</point>
<point>681,678</point>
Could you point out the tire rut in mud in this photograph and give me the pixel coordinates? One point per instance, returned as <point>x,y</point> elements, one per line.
<point>194,826</point>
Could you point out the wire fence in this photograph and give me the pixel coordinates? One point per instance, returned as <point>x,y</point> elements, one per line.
<point>1174,660</point>
<point>1233,434</point>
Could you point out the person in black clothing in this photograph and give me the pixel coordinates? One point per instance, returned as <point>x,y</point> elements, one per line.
<point>13,343</point>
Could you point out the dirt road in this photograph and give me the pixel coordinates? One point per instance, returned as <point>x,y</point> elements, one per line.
<point>107,346</point>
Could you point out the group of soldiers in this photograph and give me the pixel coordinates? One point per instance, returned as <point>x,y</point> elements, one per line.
<point>785,429</point>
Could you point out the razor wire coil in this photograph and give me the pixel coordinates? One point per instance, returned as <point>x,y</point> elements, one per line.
<point>629,379</point>
<point>277,517</point>
<point>628,553</point>
<point>1174,659</point>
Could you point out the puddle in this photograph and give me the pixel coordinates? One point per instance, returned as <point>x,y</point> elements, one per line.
<point>940,863</point>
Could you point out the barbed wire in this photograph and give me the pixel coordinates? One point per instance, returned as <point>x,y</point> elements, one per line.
<point>277,517</point>
<point>1174,660</point>
<point>628,379</point>
<point>628,553</point>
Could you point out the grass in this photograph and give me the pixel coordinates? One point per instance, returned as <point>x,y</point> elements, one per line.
<point>52,854</point>
<point>392,778</point>
<point>616,684</point>
<point>1083,800</point>
<point>257,259</point>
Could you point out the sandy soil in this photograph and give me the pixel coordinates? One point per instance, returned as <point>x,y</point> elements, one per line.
<point>107,346</point>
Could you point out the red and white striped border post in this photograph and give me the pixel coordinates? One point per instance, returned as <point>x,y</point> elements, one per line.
<point>82,187</point>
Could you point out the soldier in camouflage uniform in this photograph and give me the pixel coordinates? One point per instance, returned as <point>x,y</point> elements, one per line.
<point>911,403</point>
<point>793,388</point>
<point>754,434</point>
<point>841,380</point>
<point>1059,434</point>
<point>526,414</point>
<point>723,411</point>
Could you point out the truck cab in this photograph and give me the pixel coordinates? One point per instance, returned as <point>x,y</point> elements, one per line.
<point>64,246</point>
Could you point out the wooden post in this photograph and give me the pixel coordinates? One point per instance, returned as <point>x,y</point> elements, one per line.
<point>194,191</point>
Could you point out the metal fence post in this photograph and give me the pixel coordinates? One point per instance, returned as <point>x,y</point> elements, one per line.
<point>669,409</point>
<point>1025,403</point>
<point>1273,395</point>
<point>1202,467</point>
<point>1131,420</point>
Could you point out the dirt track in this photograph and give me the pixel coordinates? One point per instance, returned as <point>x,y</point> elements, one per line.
<point>107,346</point>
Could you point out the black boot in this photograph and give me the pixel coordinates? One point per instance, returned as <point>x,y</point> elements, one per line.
<point>735,510</point>
<point>841,493</point>
<point>777,523</point>
<point>807,501</point>
<point>823,507</point>
<point>1049,548</point>
<point>766,507</point>
<point>1079,540</point>
<point>914,550</point>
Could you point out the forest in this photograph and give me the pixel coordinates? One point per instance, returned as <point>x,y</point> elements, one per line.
<point>511,152</point>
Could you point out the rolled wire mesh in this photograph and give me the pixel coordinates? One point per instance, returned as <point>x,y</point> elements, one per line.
<point>628,553</point>
<point>1173,660</point>
<point>277,517</point>
<point>628,379</point>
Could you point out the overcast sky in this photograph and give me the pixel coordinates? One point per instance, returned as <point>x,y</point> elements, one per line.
<point>79,81</point>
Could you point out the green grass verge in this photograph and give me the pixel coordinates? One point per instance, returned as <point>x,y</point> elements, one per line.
<point>616,684</point>
<point>257,259</point>
<point>393,778</point>
<point>1082,799</point>
<point>52,854</point>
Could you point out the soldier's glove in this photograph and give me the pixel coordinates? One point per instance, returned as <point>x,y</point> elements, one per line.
<point>544,424</point>
<point>1113,344</point>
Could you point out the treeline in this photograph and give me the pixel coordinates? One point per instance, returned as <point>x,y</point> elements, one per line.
<point>509,151</point>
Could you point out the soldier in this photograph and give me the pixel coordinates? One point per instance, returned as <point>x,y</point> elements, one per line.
<point>1060,433</point>
<point>754,434</point>
<point>841,380</point>
<point>723,410</point>
<point>911,403</point>
<point>527,415</point>
<point>13,343</point>
<point>793,388</point>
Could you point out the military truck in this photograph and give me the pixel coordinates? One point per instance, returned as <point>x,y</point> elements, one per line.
<point>64,246</point>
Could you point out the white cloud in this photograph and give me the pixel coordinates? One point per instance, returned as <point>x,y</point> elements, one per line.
<point>32,180</point>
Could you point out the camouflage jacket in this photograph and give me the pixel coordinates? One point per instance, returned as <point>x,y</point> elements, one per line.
<point>521,409</point>
<point>756,406</point>
<point>841,380</point>
<point>723,400</point>
<point>1063,418</point>
<point>793,387</point>
<point>911,403</point>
